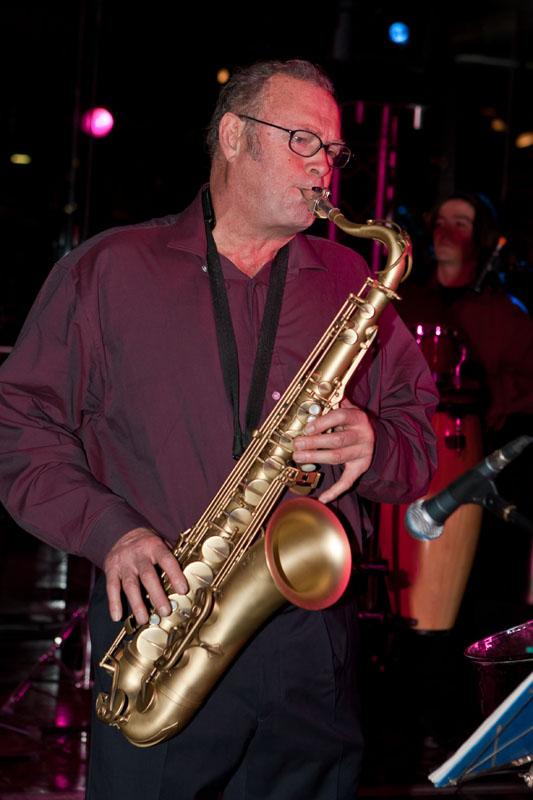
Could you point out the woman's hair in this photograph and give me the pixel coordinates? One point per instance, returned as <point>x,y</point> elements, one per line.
<point>243,94</point>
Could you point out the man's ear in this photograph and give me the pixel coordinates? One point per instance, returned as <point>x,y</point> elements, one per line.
<point>230,135</point>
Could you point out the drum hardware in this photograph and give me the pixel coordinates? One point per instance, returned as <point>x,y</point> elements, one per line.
<point>501,508</point>
<point>444,351</point>
<point>456,440</point>
<point>81,678</point>
<point>373,573</point>
<point>527,777</point>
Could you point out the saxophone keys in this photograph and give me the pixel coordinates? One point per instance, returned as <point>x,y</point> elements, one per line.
<point>180,603</point>
<point>349,336</point>
<point>240,518</point>
<point>146,698</point>
<point>109,707</point>
<point>254,491</point>
<point>367,310</point>
<point>198,575</point>
<point>305,409</point>
<point>151,642</point>
<point>215,550</point>
<point>272,466</point>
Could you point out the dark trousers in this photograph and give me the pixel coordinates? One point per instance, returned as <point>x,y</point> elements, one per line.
<point>282,723</point>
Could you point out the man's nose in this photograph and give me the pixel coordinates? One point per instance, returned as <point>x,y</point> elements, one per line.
<point>318,164</point>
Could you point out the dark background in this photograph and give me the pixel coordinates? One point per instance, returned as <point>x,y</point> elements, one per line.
<point>154,65</point>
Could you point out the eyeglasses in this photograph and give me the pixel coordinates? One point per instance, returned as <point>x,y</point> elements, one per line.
<point>307,144</point>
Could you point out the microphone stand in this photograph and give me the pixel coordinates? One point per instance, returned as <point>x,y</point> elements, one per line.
<point>501,508</point>
<point>490,265</point>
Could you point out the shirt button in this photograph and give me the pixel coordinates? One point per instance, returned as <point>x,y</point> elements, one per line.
<point>204,267</point>
<point>275,395</point>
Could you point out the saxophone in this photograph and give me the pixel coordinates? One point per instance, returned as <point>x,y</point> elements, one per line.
<point>238,574</point>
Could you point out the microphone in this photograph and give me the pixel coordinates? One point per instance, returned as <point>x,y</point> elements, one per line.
<point>490,265</point>
<point>425,519</point>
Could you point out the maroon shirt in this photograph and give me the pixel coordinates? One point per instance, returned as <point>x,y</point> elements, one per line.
<point>113,412</point>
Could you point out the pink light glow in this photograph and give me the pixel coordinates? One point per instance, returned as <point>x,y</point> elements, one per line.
<point>97,122</point>
<point>63,715</point>
<point>61,781</point>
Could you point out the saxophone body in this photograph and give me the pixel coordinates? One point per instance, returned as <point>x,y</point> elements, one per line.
<point>238,572</point>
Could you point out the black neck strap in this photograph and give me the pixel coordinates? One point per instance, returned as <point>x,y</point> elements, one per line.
<point>226,336</point>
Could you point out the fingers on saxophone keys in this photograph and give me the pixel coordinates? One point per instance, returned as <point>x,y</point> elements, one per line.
<point>132,590</point>
<point>173,571</point>
<point>325,448</point>
<point>321,455</point>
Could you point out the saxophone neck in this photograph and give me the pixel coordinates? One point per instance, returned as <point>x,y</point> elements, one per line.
<point>394,238</point>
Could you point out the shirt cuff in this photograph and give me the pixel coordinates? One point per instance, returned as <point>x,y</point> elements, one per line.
<point>116,520</point>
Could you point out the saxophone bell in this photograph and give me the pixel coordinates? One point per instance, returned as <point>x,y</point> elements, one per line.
<point>308,553</point>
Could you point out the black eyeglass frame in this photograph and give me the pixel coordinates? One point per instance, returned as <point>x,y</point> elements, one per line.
<point>345,151</point>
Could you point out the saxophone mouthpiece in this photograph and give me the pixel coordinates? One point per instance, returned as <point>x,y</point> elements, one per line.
<point>317,200</point>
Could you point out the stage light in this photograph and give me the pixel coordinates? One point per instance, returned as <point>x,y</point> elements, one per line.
<point>97,122</point>
<point>20,158</point>
<point>399,33</point>
<point>498,125</point>
<point>223,75</point>
<point>524,139</point>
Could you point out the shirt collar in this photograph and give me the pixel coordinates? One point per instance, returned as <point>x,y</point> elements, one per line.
<point>189,236</point>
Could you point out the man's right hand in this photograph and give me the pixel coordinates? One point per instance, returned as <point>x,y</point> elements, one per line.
<point>130,564</point>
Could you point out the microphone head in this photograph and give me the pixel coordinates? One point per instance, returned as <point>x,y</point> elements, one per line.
<point>420,524</point>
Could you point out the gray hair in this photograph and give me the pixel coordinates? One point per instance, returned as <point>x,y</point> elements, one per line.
<point>243,94</point>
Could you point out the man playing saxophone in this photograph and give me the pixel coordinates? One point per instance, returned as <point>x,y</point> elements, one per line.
<point>149,357</point>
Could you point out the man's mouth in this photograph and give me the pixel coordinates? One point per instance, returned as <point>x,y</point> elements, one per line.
<point>312,193</point>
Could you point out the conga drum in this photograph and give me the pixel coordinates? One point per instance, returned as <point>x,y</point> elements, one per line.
<point>445,352</point>
<point>426,581</point>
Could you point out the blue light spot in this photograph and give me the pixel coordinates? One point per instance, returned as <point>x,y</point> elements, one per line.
<point>399,33</point>
<point>517,302</point>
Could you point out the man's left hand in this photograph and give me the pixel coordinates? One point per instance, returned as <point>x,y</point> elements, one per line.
<point>350,442</point>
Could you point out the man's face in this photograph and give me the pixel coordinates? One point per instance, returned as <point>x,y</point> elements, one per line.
<point>268,178</point>
<point>453,234</point>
